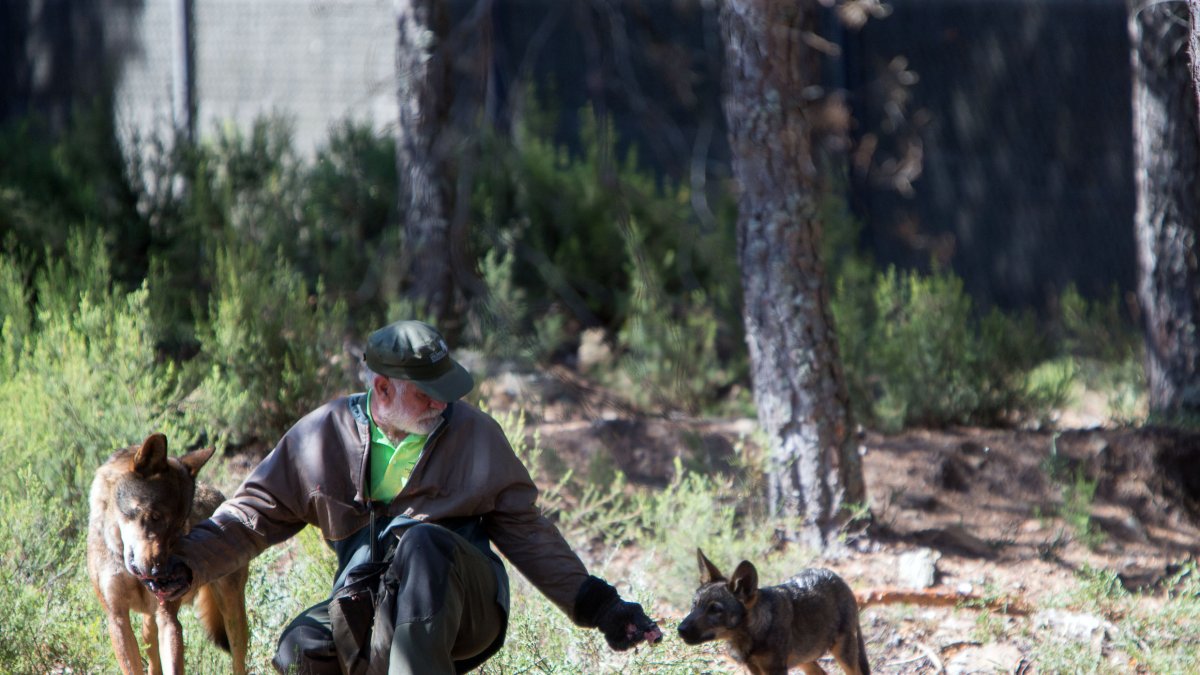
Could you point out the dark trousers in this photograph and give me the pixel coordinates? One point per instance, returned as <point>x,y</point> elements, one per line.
<point>446,611</point>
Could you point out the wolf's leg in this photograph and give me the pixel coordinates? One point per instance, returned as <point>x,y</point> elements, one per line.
<point>230,596</point>
<point>851,653</point>
<point>124,644</point>
<point>150,638</point>
<point>170,637</point>
<point>812,668</point>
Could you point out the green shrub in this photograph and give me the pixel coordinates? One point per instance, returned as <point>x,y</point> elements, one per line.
<point>1078,496</point>
<point>86,379</point>
<point>272,346</point>
<point>51,620</point>
<point>1095,329</point>
<point>332,218</point>
<point>234,189</point>
<point>1104,348</point>
<point>916,350</point>
<point>570,221</point>
<point>728,532</point>
<point>16,316</point>
<point>669,344</point>
<point>497,322</point>
<point>922,357</point>
<point>351,213</point>
<point>850,276</point>
<point>53,181</point>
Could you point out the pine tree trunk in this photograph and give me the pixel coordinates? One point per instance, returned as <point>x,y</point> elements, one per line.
<point>814,468</point>
<point>1167,179</point>
<point>424,94</point>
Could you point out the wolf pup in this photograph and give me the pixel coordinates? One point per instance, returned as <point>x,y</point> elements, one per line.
<point>141,502</point>
<point>779,627</point>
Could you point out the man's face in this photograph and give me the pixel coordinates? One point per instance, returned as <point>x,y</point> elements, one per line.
<point>400,408</point>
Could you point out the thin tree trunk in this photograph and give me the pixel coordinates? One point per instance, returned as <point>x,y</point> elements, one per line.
<point>1167,179</point>
<point>424,93</point>
<point>814,468</point>
<point>1194,44</point>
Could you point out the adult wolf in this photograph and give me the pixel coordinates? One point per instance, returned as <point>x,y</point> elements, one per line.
<point>141,502</point>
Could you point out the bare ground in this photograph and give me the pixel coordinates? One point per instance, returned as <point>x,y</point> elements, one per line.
<point>990,509</point>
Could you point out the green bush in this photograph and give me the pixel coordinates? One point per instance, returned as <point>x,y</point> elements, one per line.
<point>501,323</point>
<point>16,316</point>
<point>86,378</point>
<point>919,353</point>
<point>272,346</point>
<point>53,182</point>
<point>730,532</point>
<point>351,224</point>
<point>1103,346</point>
<point>332,218</point>
<point>1095,329</point>
<point>237,190</point>
<point>51,620</point>
<point>583,240</point>
<point>570,221</point>
<point>669,344</point>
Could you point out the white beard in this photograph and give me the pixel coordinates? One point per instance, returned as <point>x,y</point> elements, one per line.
<point>398,423</point>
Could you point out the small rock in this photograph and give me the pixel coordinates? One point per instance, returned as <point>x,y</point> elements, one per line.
<point>1075,627</point>
<point>593,349</point>
<point>987,658</point>
<point>918,569</point>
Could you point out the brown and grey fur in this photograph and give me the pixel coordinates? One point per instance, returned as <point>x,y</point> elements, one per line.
<point>778,627</point>
<point>141,502</point>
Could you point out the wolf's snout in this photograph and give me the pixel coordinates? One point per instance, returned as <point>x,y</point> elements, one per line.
<point>688,632</point>
<point>132,566</point>
<point>145,564</point>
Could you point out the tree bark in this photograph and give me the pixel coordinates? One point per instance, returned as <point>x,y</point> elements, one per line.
<point>1194,44</point>
<point>1167,180</point>
<point>424,92</point>
<point>772,72</point>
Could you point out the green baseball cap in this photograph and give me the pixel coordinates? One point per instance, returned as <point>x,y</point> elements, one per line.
<point>414,350</point>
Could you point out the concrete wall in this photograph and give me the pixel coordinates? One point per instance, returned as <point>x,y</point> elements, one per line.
<point>314,62</point>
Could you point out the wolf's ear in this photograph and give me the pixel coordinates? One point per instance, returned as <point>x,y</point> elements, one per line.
<point>744,584</point>
<point>196,459</point>
<point>708,571</point>
<point>151,458</point>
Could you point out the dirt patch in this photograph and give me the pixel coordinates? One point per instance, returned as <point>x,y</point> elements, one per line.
<point>999,512</point>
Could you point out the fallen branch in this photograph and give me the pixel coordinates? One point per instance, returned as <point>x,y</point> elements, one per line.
<point>939,597</point>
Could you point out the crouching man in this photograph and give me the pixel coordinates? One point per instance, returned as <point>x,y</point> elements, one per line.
<point>411,487</point>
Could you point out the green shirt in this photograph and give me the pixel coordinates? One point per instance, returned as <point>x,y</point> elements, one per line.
<point>391,463</point>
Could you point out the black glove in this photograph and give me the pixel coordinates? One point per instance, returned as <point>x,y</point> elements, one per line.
<point>624,624</point>
<point>171,582</point>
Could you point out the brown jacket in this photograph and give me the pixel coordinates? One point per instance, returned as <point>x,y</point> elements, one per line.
<point>317,475</point>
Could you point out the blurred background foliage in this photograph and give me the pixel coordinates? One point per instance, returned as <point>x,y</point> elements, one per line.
<point>249,273</point>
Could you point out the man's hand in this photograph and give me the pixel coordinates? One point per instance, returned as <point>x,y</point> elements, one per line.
<point>172,582</point>
<point>624,624</point>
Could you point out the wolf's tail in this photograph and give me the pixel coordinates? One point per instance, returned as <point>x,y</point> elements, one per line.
<point>863,666</point>
<point>211,618</point>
